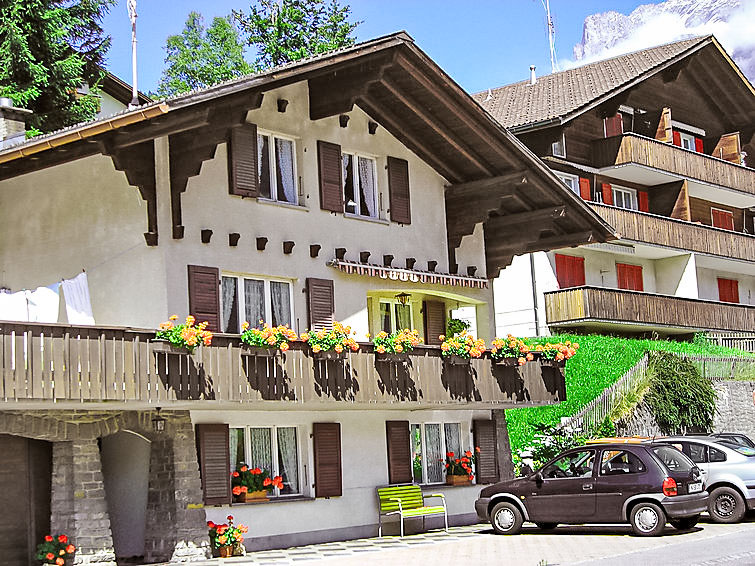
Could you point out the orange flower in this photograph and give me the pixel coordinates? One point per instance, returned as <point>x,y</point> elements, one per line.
<point>63,539</point>
<point>60,561</point>
<point>49,555</point>
<point>48,538</point>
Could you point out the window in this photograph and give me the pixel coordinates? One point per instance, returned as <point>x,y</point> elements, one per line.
<point>573,465</point>
<point>558,147</point>
<point>624,198</point>
<point>430,443</point>
<point>728,290</point>
<point>571,181</point>
<point>275,449</point>
<point>673,459</point>
<point>253,299</point>
<point>394,316</point>
<point>359,185</point>
<point>687,141</point>
<point>716,455</point>
<point>695,452</point>
<point>276,164</point>
<point>616,462</point>
<point>629,276</point>
<point>722,218</point>
<point>570,271</point>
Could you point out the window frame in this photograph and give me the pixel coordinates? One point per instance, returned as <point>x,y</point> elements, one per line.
<point>274,453</point>
<point>616,189</point>
<point>273,166</point>
<point>240,277</point>
<point>560,143</point>
<point>574,179</point>
<point>423,444</point>
<point>393,303</point>
<point>686,137</point>
<point>356,155</point>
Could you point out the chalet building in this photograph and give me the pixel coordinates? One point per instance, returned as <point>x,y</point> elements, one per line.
<point>363,186</point>
<point>660,144</point>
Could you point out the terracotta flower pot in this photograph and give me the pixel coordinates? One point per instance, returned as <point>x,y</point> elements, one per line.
<point>458,480</point>
<point>225,551</point>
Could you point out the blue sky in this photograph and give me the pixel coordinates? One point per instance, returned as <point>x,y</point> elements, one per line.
<point>480,43</point>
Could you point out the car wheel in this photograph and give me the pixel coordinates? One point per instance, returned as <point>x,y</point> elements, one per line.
<point>647,519</point>
<point>506,519</point>
<point>726,505</point>
<point>547,526</point>
<point>684,523</point>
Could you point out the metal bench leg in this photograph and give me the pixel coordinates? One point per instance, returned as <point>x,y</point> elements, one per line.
<point>402,526</point>
<point>380,526</point>
<point>445,517</point>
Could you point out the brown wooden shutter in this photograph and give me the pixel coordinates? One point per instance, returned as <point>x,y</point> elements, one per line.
<point>321,303</point>
<point>243,177</point>
<point>728,148</point>
<point>728,290</point>
<point>327,449</point>
<point>398,190</point>
<point>204,295</point>
<point>584,188</point>
<point>399,453</point>
<point>331,178</point>
<point>487,459</point>
<point>214,463</point>
<point>435,321</point>
<point>613,125</point>
<point>629,276</point>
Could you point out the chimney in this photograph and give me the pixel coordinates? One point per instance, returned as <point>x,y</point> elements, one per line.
<point>533,77</point>
<point>12,123</point>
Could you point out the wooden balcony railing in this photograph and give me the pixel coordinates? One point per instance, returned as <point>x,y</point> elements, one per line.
<point>679,234</point>
<point>633,148</point>
<point>597,304</point>
<point>60,363</point>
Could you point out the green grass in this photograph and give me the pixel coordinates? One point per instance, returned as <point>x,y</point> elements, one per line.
<point>599,362</point>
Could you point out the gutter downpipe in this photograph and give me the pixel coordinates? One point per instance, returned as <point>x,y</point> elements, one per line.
<point>534,294</point>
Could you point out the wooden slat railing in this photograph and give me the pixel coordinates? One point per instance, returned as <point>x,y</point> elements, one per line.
<point>634,148</point>
<point>679,234</point>
<point>584,304</point>
<point>42,362</point>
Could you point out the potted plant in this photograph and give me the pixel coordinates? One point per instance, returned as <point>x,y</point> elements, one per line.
<point>268,340</point>
<point>226,538</point>
<point>511,351</point>
<point>56,551</point>
<point>331,344</point>
<point>459,470</point>
<point>458,350</point>
<point>556,354</point>
<point>183,338</point>
<point>395,347</point>
<point>253,484</point>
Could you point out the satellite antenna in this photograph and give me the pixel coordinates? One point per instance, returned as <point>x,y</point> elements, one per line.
<point>131,4</point>
<point>551,34</point>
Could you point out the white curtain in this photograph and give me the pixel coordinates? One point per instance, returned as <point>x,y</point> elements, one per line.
<point>228,293</point>
<point>254,301</point>
<point>281,303</point>
<point>236,445</point>
<point>78,303</point>
<point>263,165</point>
<point>288,464</point>
<point>261,449</point>
<point>453,438</point>
<point>348,184</point>
<point>435,456</point>
<point>284,152</point>
<point>367,187</point>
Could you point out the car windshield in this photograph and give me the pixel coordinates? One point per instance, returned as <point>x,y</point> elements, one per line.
<point>744,450</point>
<point>673,459</point>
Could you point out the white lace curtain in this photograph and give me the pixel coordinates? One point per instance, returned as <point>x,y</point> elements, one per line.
<point>434,451</point>
<point>229,298</point>
<point>261,449</point>
<point>281,303</point>
<point>367,186</point>
<point>288,465</point>
<point>284,154</point>
<point>254,301</point>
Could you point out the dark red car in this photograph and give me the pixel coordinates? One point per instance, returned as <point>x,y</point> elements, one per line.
<point>643,484</point>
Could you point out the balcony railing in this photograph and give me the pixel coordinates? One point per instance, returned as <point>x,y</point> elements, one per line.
<point>633,148</point>
<point>572,307</point>
<point>60,363</point>
<point>679,234</point>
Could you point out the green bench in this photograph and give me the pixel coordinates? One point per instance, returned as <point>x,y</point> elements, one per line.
<point>407,501</point>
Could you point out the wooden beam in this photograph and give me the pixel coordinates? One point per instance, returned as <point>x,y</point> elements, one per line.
<point>533,216</point>
<point>510,181</point>
<point>531,242</point>
<point>47,159</point>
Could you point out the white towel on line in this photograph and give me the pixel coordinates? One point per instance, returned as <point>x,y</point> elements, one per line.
<point>78,303</point>
<point>40,305</point>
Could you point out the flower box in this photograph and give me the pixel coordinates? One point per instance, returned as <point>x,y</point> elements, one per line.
<point>454,360</point>
<point>257,496</point>
<point>458,480</point>
<point>507,361</point>
<point>553,363</point>
<point>225,551</point>
<point>259,351</point>
<point>329,355</point>
<point>165,347</point>
<point>392,358</point>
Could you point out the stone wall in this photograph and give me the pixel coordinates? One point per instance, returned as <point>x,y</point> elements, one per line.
<point>735,407</point>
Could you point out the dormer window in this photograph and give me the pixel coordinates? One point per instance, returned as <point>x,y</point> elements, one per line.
<point>359,185</point>
<point>276,164</point>
<point>558,147</point>
<point>687,141</point>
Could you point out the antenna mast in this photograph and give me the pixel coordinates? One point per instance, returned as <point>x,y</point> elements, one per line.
<point>551,35</point>
<point>131,4</point>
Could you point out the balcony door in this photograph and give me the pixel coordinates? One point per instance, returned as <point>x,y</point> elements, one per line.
<point>728,290</point>
<point>629,276</point>
<point>570,271</point>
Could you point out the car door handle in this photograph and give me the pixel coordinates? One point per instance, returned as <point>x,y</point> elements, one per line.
<point>586,486</point>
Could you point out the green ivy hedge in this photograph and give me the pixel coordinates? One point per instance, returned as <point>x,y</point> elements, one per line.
<point>600,362</point>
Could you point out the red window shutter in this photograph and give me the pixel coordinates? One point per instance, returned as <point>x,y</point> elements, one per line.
<point>321,303</point>
<point>398,190</point>
<point>614,125</point>
<point>484,436</point>
<point>607,193</point>
<point>643,201</point>
<point>728,290</point>
<point>243,179</point>
<point>570,271</point>
<point>699,145</point>
<point>214,463</point>
<point>399,453</point>
<point>722,219</point>
<point>629,276</point>
<point>435,321</point>
<point>677,138</point>
<point>204,295</point>
<point>327,449</point>
<point>584,188</point>
<point>331,178</point>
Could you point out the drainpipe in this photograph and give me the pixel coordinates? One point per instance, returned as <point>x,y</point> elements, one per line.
<point>534,294</point>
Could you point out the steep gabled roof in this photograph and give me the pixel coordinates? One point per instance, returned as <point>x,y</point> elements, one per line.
<point>561,96</point>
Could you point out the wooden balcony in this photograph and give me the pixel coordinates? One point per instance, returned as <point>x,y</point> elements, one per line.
<point>632,148</point>
<point>586,306</point>
<point>680,234</point>
<point>121,367</point>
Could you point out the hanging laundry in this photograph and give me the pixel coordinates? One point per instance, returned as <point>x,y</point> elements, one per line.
<point>13,306</point>
<point>39,305</point>
<point>78,303</point>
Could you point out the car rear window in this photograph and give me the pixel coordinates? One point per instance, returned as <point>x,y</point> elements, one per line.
<point>673,459</point>
<point>744,450</point>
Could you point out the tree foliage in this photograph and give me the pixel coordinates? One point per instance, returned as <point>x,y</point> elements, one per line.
<point>48,50</point>
<point>200,56</point>
<point>282,31</point>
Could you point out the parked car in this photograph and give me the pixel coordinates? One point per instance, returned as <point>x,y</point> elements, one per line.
<point>729,472</point>
<point>645,484</point>
<point>734,437</point>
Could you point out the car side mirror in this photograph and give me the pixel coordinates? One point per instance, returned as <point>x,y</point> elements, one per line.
<point>537,477</point>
